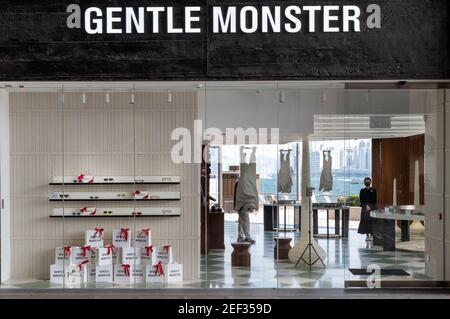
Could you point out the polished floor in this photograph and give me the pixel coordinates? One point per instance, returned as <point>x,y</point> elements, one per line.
<point>265,272</point>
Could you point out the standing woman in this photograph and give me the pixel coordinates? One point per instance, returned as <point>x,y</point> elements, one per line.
<point>368,199</point>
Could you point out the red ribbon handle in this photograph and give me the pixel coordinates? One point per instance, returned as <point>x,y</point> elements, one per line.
<point>67,251</point>
<point>159,269</point>
<point>124,233</point>
<point>81,177</point>
<point>84,249</point>
<point>100,231</point>
<point>166,249</point>
<point>126,269</point>
<point>148,250</point>
<point>111,248</point>
<point>80,265</point>
<point>139,193</point>
<point>145,231</point>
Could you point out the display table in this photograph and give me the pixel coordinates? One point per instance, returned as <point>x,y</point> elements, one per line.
<point>341,215</point>
<point>272,217</point>
<point>284,245</point>
<point>341,218</point>
<point>385,221</point>
<point>240,257</point>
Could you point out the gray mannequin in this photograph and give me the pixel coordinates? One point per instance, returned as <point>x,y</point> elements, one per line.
<point>246,195</point>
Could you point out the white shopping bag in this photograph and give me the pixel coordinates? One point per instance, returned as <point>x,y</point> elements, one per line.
<point>64,255</point>
<point>105,255</point>
<point>148,256</point>
<point>123,274</point>
<point>90,253</point>
<point>80,254</point>
<point>130,255</point>
<point>58,273</point>
<point>154,273</point>
<point>122,237</point>
<point>141,195</point>
<point>163,254</point>
<point>85,179</point>
<point>138,274</point>
<point>95,237</point>
<point>78,274</point>
<point>116,255</point>
<point>104,273</point>
<point>143,238</point>
<point>91,272</point>
<point>86,211</point>
<point>173,273</point>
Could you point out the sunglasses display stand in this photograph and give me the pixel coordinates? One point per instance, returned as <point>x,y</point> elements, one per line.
<point>111,196</point>
<point>115,212</point>
<point>114,180</point>
<point>86,181</point>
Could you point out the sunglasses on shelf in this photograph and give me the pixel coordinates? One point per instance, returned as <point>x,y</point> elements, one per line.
<point>121,195</point>
<point>76,213</point>
<point>94,197</point>
<point>108,179</point>
<point>107,212</point>
<point>64,195</point>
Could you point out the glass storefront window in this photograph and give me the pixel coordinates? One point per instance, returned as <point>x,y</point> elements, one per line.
<point>125,161</point>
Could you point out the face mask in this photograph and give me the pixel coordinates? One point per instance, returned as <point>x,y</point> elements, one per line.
<point>367,183</point>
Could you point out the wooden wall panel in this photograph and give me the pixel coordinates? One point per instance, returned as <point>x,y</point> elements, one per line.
<point>395,158</point>
<point>49,138</point>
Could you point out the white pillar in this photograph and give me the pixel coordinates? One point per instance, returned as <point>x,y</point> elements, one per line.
<point>306,219</point>
<point>5,216</point>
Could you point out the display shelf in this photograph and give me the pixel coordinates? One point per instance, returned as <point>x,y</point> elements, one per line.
<point>113,196</point>
<point>89,212</point>
<point>114,180</point>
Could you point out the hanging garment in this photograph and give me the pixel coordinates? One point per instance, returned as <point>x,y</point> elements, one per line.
<point>285,173</point>
<point>246,191</point>
<point>326,178</point>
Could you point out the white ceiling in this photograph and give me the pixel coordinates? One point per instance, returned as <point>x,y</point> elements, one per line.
<point>341,127</point>
<point>325,126</point>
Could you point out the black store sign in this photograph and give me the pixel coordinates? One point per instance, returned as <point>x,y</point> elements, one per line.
<point>224,39</point>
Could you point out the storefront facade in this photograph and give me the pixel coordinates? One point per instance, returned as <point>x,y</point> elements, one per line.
<point>95,98</point>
